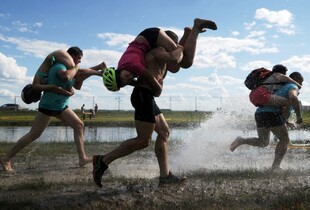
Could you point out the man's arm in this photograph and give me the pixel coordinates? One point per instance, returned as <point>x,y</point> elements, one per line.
<point>284,78</point>
<point>37,86</point>
<point>293,96</point>
<point>152,82</point>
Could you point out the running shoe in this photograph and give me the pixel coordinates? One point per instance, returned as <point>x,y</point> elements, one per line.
<point>171,179</point>
<point>99,167</point>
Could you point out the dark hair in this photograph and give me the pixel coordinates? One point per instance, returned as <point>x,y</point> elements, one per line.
<point>296,76</point>
<point>279,68</point>
<point>76,51</point>
<point>119,83</point>
<point>172,35</point>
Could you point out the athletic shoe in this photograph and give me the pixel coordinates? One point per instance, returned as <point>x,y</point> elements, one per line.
<point>171,179</point>
<point>99,167</point>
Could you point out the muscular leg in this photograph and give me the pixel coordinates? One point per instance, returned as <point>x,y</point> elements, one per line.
<point>161,144</point>
<point>262,140</point>
<point>143,139</point>
<point>41,121</point>
<point>281,148</point>
<point>69,117</point>
<point>165,41</point>
<point>191,41</point>
<point>61,56</point>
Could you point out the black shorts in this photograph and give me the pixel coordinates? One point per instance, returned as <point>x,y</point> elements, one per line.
<point>151,35</point>
<point>269,119</point>
<point>146,109</point>
<point>52,113</point>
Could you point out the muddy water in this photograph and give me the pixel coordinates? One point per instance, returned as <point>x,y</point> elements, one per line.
<point>115,134</point>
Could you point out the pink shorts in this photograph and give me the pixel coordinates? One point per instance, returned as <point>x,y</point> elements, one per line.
<point>133,58</point>
<point>260,96</point>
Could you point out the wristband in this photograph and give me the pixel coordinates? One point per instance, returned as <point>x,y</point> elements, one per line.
<point>75,68</point>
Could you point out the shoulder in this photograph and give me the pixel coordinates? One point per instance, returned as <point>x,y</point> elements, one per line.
<point>291,86</point>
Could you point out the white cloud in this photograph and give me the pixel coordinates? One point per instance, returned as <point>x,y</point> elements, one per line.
<point>93,57</point>
<point>25,27</point>
<point>298,63</point>
<point>235,33</point>
<point>249,26</point>
<point>215,80</point>
<point>38,48</point>
<point>9,69</point>
<point>254,34</point>
<point>257,64</point>
<point>282,20</point>
<point>114,39</point>
<point>218,52</point>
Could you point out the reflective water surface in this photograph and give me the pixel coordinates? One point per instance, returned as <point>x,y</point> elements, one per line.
<point>115,134</point>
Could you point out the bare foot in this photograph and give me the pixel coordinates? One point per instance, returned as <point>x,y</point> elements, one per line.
<point>236,143</point>
<point>202,23</point>
<point>85,161</point>
<point>6,165</point>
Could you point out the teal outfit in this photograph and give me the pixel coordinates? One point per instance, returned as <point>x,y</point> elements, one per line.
<point>54,101</point>
<point>44,76</point>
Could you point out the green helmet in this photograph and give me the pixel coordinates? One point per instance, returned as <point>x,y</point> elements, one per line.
<point>109,79</point>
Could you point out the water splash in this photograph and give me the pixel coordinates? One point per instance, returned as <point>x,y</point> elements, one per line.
<point>208,146</point>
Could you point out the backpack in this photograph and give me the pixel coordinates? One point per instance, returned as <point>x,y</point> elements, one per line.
<point>256,77</point>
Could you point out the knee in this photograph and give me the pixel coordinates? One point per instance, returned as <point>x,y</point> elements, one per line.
<point>145,143</point>
<point>164,135</point>
<point>79,126</point>
<point>185,64</point>
<point>264,143</point>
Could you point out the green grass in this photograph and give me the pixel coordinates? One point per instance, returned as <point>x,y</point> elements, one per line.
<point>105,118</point>
<point>120,118</point>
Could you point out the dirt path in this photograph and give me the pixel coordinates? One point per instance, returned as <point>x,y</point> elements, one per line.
<point>55,183</point>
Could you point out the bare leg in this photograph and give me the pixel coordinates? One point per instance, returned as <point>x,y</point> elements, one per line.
<point>187,31</point>
<point>74,122</point>
<point>41,121</point>
<point>165,41</point>
<point>65,58</point>
<point>100,66</point>
<point>281,148</point>
<point>262,140</point>
<point>143,139</point>
<point>191,41</point>
<point>61,56</point>
<point>161,144</point>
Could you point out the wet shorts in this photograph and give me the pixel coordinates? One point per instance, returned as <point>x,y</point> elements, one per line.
<point>260,96</point>
<point>151,35</point>
<point>269,119</point>
<point>146,109</point>
<point>52,113</point>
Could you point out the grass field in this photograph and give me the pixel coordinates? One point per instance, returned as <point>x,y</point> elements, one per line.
<point>123,118</point>
<point>106,118</point>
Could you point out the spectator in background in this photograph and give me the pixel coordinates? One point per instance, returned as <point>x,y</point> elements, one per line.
<point>96,109</point>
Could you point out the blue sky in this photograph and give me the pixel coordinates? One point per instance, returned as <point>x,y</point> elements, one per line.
<point>251,34</point>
